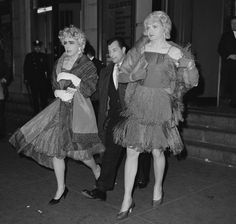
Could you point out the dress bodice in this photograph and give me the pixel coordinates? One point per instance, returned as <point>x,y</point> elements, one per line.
<point>64,84</point>
<point>160,70</point>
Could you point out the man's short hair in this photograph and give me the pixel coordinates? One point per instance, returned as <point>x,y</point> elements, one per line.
<point>120,41</point>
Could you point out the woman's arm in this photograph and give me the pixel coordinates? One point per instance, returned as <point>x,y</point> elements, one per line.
<point>135,75</point>
<point>190,72</point>
<point>186,66</point>
<point>89,79</point>
<point>83,76</point>
<point>130,72</point>
<point>134,65</point>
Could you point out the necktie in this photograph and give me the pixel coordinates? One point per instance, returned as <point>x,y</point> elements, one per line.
<point>115,75</point>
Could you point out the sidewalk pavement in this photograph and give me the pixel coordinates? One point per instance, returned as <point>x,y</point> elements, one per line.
<point>195,192</point>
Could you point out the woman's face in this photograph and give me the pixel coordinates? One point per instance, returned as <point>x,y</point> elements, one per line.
<point>71,46</point>
<point>154,29</point>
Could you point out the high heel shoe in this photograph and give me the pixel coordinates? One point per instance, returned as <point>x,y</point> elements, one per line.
<point>56,201</point>
<point>157,203</point>
<point>125,214</point>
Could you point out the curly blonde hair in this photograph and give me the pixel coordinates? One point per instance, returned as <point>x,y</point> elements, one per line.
<point>163,18</point>
<point>75,33</point>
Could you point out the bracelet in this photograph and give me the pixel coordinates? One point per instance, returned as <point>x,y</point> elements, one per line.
<point>130,77</point>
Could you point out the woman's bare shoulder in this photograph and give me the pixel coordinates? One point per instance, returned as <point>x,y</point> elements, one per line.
<point>175,53</point>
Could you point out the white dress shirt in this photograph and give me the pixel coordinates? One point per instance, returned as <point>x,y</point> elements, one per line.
<point>234,34</point>
<point>115,75</point>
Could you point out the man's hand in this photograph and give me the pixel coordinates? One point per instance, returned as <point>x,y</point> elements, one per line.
<point>3,80</point>
<point>232,57</point>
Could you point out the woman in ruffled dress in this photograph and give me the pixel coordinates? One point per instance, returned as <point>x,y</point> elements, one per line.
<point>159,72</point>
<point>67,127</point>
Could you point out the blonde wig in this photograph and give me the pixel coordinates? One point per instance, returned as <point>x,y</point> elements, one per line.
<point>75,33</point>
<point>163,18</point>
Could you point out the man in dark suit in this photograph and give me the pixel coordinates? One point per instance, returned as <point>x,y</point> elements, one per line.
<point>111,97</point>
<point>5,80</point>
<point>90,52</point>
<point>36,70</point>
<point>227,51</point>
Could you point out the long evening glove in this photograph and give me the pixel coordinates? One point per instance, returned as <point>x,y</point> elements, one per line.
<point>69,76</point>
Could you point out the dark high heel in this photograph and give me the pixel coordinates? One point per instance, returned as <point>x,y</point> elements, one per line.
<point>125,214</point>
<point>157,203</point>
<point>56,201</point>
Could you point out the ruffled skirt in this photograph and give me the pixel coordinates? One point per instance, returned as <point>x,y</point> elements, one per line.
<point>148,122</point>
<point>49,135</point>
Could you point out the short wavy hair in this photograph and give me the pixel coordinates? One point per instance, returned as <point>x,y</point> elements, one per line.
<point>75,33</point>
<point>163,18</point>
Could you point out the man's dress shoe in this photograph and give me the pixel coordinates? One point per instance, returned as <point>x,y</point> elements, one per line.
<point>95,194</point>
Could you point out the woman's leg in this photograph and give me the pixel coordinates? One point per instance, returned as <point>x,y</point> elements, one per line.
<point>131,166</point>
<point>59,169</point>
<point>159,168</point>
<point>93,166</point>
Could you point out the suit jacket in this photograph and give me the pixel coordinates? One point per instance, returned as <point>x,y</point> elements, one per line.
<point>5,73</point>
<point>36,68</point>
<point>99,65</point>
<point>227,45</point>
<point>103,86</point>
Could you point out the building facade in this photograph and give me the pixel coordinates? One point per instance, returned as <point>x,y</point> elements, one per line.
<point>199,23</point>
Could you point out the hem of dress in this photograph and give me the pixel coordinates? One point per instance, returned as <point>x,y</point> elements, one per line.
<point>45,159</point>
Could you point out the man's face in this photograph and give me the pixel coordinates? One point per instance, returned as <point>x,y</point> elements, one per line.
<point>233,24</point>
<point>116,53</point>
<point>37,49</point>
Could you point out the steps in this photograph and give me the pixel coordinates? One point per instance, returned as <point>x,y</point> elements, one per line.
<point>211,135</point>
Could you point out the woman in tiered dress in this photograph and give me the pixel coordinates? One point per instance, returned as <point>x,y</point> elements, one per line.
<point>159,73</point>
<point>67,127</point>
